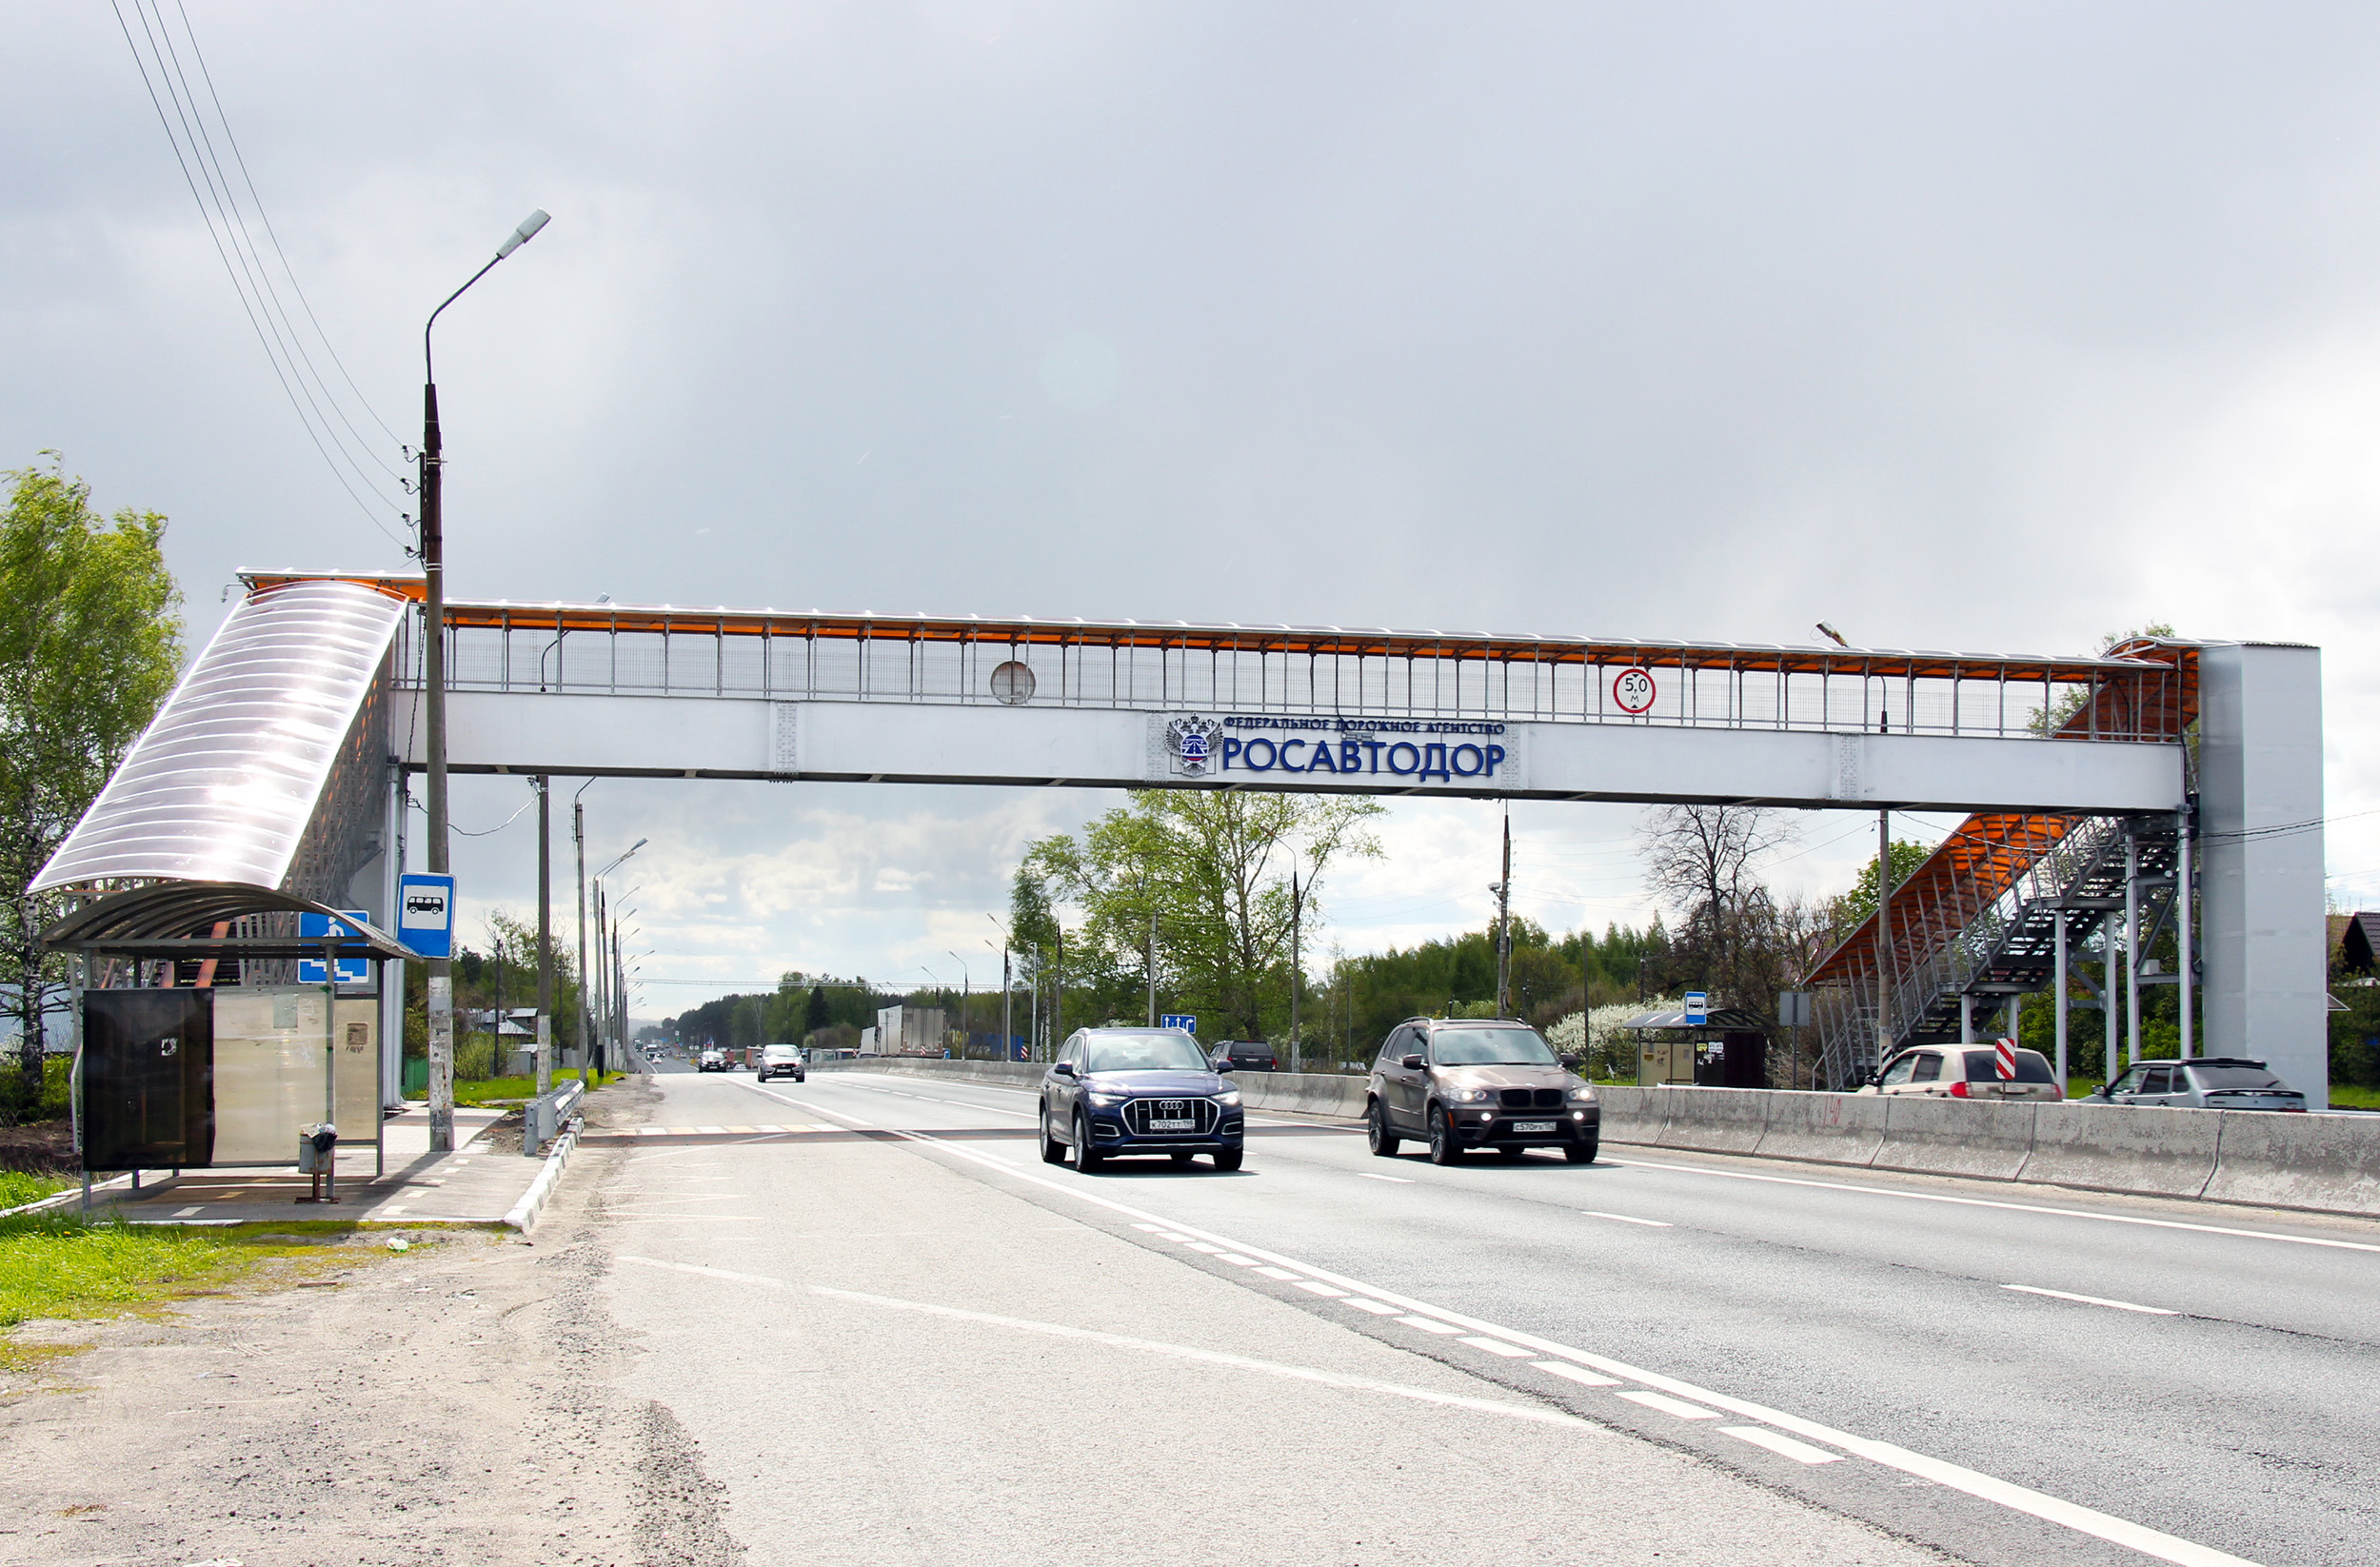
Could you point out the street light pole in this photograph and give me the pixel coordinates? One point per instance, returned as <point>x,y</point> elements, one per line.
<point>544,936</point>
<point>441,977</point>
<point>967,1000</point>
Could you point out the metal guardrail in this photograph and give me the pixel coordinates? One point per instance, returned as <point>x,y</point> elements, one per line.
<point>543,1119</point>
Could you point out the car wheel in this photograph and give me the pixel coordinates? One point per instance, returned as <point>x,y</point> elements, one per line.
<point>1228,1159</point>
<point>1443,1149</point>
<point>1580,1153</point>
<point>1086,1158</point>
<point>1375,1131</point>
<point>1053,1151</point>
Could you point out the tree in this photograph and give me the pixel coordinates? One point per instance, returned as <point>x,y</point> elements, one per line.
<point>91,642</point>
<point>2049,721</point>
<point>1215,868</point>
<point>1848,911</point>
<point>1699,860</point>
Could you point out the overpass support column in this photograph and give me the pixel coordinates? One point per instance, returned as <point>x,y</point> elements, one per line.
<point>2261,913</point>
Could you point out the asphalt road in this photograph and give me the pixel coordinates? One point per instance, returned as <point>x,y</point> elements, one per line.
<point>2000,1373</point>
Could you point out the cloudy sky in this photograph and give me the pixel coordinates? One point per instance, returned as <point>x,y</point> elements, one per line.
<point>1997,327</point>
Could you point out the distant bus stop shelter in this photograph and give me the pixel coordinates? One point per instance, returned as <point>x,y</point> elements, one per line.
<point>1729,1048</point>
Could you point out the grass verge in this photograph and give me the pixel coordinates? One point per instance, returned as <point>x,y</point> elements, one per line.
<point>18,1188</point>
<point>56,1267</point>
<point>482,1091</point>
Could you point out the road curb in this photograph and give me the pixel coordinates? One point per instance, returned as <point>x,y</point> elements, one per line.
<point>59,1200</point>
<point>523,1215</point>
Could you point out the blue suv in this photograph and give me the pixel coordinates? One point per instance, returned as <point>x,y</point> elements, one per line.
<point>1128,1091</point>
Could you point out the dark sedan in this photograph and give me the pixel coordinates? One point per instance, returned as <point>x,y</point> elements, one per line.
<point>1138,1091</point>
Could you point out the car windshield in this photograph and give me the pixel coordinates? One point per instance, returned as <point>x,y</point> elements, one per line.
<point>1158,1052</point>
<point>779,1052</point>
<point>2032,1067</point>
<point>1490,1048</point>
<point>2234,1077</point>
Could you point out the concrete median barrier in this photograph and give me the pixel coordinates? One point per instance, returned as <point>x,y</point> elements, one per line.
<point>2124,1148</point>
<point>1824,1128</point>
<point>2328,1163</point>
<point>1954,1137</point>
<point>1633,1115</point>
<point>1716,1121</point>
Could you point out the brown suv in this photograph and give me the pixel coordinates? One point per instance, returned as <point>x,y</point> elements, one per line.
<point>1462,1083</point>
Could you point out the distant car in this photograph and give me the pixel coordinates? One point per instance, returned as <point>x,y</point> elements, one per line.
<point>783,1060</point>
<point>1964,1071</point>
<point>2203,1083</point>
<point>1125,1091</point>
<point>711,1060</point>
<point>1462,1083</point>
<point>1245,1056</point>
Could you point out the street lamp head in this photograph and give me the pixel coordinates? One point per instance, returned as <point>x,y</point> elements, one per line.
<point>527,231</point>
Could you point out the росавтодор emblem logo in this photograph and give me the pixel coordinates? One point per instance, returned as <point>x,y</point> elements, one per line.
<point>1190,746</point>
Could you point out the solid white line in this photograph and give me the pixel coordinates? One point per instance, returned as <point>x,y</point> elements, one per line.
<point>1626,1219</point>
<point>2040,1504</point>
<point>1666,1404</point>
<point>1401,1180</point>
<point>2091,1300</point>
<point>1798,1452</point>
<point>814,1109</point>
<point>2012,1207</point>
<point>1179,1352</point>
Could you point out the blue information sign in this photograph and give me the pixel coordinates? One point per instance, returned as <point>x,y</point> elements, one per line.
<point>1698,1008</point>
<point>322,927</point>
<point>1186,1022</point>
<point>426,913</point>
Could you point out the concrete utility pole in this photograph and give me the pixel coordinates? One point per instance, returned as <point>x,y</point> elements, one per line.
<point>1503,891</point>
<point>586,974</point>
<point>441,975</point>
<point>1152,968</point>
<point>544,936</point>
<point>1297,967</point>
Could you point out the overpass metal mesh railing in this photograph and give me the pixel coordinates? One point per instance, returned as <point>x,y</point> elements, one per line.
<point>1264,670</point>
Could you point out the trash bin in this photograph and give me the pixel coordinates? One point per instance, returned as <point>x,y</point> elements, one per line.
<point>318,1159</point>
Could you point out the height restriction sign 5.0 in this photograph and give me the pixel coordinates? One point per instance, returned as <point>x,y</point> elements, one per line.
<point>1633,691</point>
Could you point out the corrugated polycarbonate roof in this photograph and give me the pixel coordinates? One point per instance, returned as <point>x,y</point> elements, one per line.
<point>222,784</point>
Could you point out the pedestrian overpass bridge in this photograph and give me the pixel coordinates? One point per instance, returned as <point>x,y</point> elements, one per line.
<point>280,757</point>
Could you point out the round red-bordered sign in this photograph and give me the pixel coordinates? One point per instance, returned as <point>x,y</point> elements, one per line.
<point>1633,691</point>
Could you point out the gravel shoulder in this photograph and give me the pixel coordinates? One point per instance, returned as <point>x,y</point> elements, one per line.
<point>453,1403</point>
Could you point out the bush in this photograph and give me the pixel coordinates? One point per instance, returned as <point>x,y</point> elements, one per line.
<point>22,1100</point>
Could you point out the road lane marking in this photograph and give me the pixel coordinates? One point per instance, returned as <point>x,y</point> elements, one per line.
<point>1324,1290</point>
<point>1235,1259</point>
<point>1401,1180</point>
<point>1174,1235</point>
<point>1775,1443</point>
<point>1375,1307</point>
<point>1282,1274</point>
<point>1630,1219</point>
<point>1429,1324</point>
<point>1496,1347</point>
<point>1203,1246</point>
<point>1666,1404</point>
<point>1151,1229</point>
<point>2012,1207</point>
<point>2017,1499</point>
<point>1572,1373</point>
<point>2091,1300</point>
<point>814,1109</point>
<point>1531,1413</point>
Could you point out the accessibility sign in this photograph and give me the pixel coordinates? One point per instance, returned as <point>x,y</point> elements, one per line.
<point>426,913</point>
<point>322,927</point>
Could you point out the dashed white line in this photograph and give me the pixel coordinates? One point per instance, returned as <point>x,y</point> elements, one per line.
<point>1324,1290</point>
<point>1630,1219</point>
<point>1282,1274</point>
<point>1429,1324</point>
<point>1574,1374</point>
<point>1377,1308</point>
<point>1235,1259</point>
<point>1203,1246</point>
<point>2091,1300</point>
<point>1497,1346</point>
<point>1779,1443</point>
<point>1401,1180</point>
<point>1666,1404</point>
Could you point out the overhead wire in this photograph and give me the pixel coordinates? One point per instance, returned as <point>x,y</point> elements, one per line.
<point>284,351</point>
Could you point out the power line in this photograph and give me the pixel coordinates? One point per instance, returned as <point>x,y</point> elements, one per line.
<point>226,229</point>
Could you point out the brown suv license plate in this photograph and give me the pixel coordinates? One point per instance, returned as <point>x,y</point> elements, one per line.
<point>1525,1127</point>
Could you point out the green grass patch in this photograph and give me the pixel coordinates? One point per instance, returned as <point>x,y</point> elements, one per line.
<point>18,1188</point>
<point>56,1265</point>
<point>482,1091</point>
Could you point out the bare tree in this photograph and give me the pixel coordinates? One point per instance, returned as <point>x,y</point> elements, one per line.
<point>1700,859</point>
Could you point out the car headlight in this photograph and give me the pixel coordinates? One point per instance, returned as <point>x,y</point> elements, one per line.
<point>1229,1099</point>
<point>1106,1101</point>
<point>1581,1094</point>
<point>1468,1095</point>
